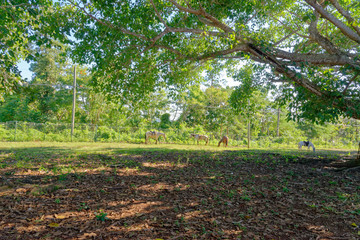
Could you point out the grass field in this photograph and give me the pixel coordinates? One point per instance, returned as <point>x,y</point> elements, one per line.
<point>138,191</point>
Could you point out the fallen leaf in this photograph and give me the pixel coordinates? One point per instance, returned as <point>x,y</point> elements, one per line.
<point>53,225</point>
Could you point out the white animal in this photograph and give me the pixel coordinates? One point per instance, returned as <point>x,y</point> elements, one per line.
<point>306,144</point>
<point>200,137</point>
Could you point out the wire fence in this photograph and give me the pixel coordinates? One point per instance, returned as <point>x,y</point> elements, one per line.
<point>16,131</point>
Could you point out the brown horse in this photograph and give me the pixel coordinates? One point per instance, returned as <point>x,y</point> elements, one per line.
<point>224,140</point>
<point>154,135</point>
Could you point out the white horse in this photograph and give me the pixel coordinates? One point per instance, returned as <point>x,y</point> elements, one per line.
<point>306,144</point>
<point>154,135</point>
<point>200,137</point>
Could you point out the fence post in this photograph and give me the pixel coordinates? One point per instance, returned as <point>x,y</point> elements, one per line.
<point>73,107</point>
<point>95,136</point>
<point>44,131</point>
<point>118,134</point>
<point>15,131</point>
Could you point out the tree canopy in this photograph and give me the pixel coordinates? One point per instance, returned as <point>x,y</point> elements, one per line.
<point>312,47</point>
<point>135,47</point>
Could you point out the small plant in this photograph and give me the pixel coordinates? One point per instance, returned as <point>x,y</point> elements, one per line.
<point>231,194</point>
<point>246,198</point>
<point>342,196</point>
<point>110,179</point>
<point>101,216</point>
<point>83,206</point>
<point>9,173</point>
<point>63,177</point>
<point>57,201</point>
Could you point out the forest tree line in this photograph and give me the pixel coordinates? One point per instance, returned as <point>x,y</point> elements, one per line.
<point>205,107</point>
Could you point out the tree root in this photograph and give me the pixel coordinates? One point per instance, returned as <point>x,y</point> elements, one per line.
<point>346,163</point>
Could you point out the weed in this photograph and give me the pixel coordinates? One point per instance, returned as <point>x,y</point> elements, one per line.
<point>110,179</point>
<point>63,177</point>
<point>83,206</point>
<point>9,173</point>
<point>342,196</point>
<point>246,198</point>
<point>285,189</point>
<point>101,216</point>
<point>231,194</point>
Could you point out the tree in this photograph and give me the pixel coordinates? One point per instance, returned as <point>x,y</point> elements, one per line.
<point>311,46</point>
<point>23,25</point>
<point>165,121</point>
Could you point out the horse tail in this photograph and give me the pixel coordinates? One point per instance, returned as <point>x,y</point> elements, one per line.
<point>220,143</point>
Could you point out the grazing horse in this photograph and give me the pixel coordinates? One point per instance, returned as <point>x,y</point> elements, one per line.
<point>200,137</point>
<point>224,140</point>
<point>154,135</point>
<point>306,144</point>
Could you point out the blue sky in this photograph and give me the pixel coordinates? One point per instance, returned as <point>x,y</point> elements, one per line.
<point>26,73</point>
<point>24,68</point>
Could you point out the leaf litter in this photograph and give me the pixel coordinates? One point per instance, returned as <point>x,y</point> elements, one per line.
<point>179,195</point>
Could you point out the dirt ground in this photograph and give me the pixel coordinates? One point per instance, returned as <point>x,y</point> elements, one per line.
<point>177,195</point>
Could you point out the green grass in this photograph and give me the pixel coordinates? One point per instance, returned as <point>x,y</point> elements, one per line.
<point>108,148</point>
<point>63,158</point>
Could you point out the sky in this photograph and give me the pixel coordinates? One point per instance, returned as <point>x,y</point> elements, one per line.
<point>26,73</point>
<point>24,68</point>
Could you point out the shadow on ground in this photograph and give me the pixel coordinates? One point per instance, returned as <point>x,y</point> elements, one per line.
<point>149,193</point>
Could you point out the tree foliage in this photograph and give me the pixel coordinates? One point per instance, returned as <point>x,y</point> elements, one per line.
<point>23,24</point>
<point>311,47</point>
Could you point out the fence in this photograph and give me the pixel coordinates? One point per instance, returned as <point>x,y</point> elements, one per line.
<point>27,131</point>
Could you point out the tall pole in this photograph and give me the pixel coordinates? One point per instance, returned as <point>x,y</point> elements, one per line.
<point>74,103</point>
<point>278,124</point>
<point>248,127</point>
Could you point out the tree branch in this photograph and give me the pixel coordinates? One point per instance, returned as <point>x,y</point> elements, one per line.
<point>158,14</point>
<point>317,37</point>
<point>108,24</point>
<point>340,25</point>
<point>346,14</point>
<point>351,80</point>
<point>209,18</point>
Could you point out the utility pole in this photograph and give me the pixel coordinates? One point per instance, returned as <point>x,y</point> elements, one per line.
<point>248,127</point>
<point>74,103</point>
<point>278,124</point>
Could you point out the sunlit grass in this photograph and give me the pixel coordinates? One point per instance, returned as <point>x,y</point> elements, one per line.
<point>109,148</point>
